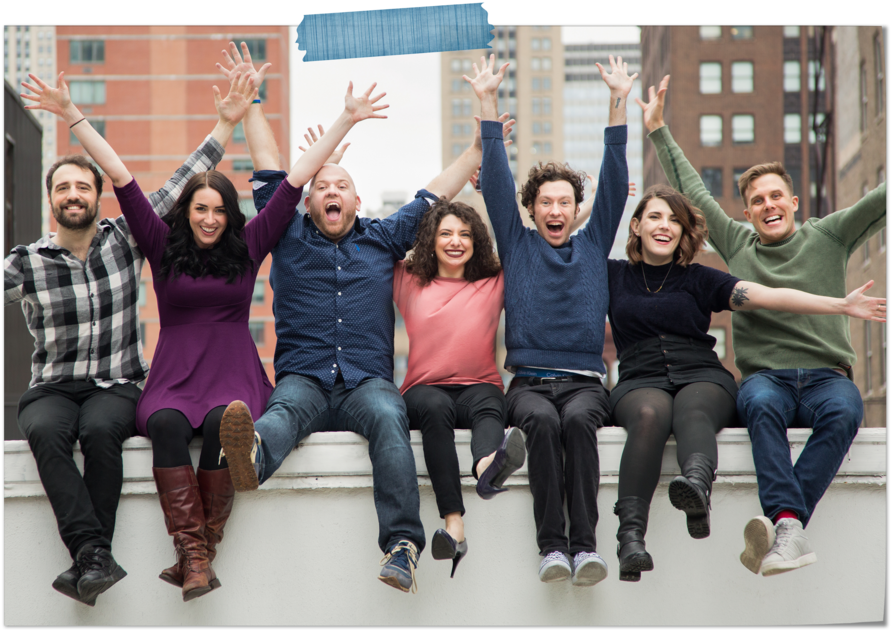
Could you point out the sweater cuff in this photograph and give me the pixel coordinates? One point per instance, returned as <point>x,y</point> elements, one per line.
<point>491,129</point>
<point>617,134</point>
<point>661,133</point>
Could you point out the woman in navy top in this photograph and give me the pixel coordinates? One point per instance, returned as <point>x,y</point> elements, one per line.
<point>670,379</point>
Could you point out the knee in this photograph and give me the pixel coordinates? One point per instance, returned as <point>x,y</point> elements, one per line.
<point>759,402</point>
<point>540,422</point>
<point>46,436</point>
<point>580,422</point>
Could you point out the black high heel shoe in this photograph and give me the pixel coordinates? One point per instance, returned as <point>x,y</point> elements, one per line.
<point>510,456</point>
<point>444,547</point>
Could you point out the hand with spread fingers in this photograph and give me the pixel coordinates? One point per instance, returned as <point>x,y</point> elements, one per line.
<point>361,107</point>
<point>311,139</point>
<point>55,100</point>
<point>652,111</point>
<point>242,92</point>
<point>235,62</point>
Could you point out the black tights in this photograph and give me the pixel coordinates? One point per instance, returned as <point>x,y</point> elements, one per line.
<point>171,433</point>
<point>695,414</point>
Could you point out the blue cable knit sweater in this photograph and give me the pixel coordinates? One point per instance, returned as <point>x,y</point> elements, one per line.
<point>555,298</point>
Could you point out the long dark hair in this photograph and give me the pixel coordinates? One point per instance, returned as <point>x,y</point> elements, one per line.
<point>423,263</point>
<point>229,258</point>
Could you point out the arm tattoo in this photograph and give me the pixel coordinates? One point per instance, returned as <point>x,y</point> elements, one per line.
<point>739,297</point>
<point>618,100</point>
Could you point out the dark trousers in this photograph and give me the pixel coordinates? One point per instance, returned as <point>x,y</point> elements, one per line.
<point>171,435</point>
<point>53,416</point>
<point>558,419</point>
<point>437,410</point>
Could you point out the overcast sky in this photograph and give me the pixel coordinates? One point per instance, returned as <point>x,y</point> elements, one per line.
<point>401,153</point>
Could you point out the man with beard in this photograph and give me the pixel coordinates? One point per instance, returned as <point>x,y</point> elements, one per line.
<point>79,290</point>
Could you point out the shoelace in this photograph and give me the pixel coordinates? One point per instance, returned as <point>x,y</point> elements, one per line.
<point>555,555</point>
<point>783,538</point>
<point>89,561</point>
<point>411,553</point>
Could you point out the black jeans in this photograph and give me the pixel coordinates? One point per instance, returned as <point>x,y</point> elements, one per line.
<point>53,416</point>
<point>437,410</point>
<point>560,418</point>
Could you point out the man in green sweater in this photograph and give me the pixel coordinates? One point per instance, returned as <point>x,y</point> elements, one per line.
<point>794,367</point>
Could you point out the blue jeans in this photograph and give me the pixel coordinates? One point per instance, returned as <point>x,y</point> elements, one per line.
<point>771,401</point>
<point>374,409</point>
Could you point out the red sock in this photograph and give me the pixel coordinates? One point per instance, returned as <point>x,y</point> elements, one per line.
<point>785,514</point>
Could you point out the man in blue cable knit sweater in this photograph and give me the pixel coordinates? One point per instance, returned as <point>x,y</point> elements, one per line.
<point>555,302</point>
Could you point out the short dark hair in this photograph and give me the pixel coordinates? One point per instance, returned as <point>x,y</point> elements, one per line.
<point>77,160</point>
<point>776,168</point>
<point>695,231</point>
<point>551,172</point>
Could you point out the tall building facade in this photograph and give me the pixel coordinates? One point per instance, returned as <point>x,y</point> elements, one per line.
<point>861,148</point>
<point>148,90</point>
<point>740,96</point>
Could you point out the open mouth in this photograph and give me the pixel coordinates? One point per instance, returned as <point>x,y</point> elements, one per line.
<point>74,207</point>
<point>454,253</point>
<point>772,220</point>
<point>662,238</point>
<point>332,211</point>
<point>555,228</point>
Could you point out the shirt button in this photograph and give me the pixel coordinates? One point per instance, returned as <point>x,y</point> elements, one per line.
<point>338,347</point>
<point>338,268</point>
<point>91,295</point>
<point>665,352</point>
<point>335,365</point>
<point>94,323</point>
<point>332,371</point>
<point>339,320</point>
<point>338,293</point>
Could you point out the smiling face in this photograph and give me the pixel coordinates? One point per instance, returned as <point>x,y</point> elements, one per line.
<point>659,231</point>
<point>554,211</point>
<point>453,246</point>
<point>771,207</point>
<point>333,203</point>
<point>73,197</point>
<point>207,217</point>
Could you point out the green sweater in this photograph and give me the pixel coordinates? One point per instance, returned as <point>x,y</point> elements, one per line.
<point>813,259</point>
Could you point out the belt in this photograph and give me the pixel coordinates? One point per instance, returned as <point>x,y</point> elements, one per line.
<point>545,380</point>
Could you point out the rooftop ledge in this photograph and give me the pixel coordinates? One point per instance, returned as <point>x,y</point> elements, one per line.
<point>340,460</point>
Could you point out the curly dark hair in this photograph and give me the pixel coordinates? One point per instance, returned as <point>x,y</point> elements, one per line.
<point>423,263</point>
<point>695,231</point>
<point>551,172</point>
<point>229,258</point>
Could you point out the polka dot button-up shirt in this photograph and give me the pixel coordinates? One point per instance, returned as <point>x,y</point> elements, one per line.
<point>333,302</point>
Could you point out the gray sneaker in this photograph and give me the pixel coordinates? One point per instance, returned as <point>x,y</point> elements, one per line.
<point>790,551</point>
<point>555,567</point>
<point>588,568</point>
<point>760,536</point>
<point>399,567</point>
<point>241,446</point>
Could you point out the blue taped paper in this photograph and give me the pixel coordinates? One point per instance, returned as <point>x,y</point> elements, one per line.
<point>394,32</point>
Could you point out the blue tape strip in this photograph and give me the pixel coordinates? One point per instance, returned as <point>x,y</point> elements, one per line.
<point>394,32</point>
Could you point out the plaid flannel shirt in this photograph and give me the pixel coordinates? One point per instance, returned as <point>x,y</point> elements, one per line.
<point>83,315</point>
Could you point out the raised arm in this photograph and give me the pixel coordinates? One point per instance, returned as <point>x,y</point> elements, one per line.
<point>750,296</point>
<point>854,225</point>
<point>619,84</point>
<point>312,138</point>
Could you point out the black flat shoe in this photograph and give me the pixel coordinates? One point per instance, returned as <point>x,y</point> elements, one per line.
<point>510,456</point>
<point>444,547</point>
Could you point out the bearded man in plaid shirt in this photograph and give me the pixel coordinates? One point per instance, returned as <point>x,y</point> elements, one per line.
<point>79,289</point>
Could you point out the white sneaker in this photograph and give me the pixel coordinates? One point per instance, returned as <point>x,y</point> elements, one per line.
<point>790,551</point>
<point>554,567</point>
<point>588,568</point>
<point>760,536</point>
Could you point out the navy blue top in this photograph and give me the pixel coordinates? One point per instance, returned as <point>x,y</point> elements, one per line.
<point>555,298</point>
<point>333,302</point>
<point>683,306</point>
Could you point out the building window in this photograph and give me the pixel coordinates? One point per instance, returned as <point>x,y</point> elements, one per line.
<point>711,130</point>
<point>714,181</point>
<point>791,76</point>
<point>259,295</point>
<point>238,133</point>
<point>742,75</point>
<point>545,63</point>
<point>743,128</point>
<point>466,65</point>
<point>791,31</point>
<point>742,32</point>
<point>536,148</point>
<point>87,51</point>
<point>546,126</point>
<point>536,127</point>
<point>863,98</point>
<point>467,107</point>
<point>792,128</point>
<point>737,173</point>
<point>456,107</point>
<point>546,105</point>
<point>87,92</point>
<point>545,43</point>
<point>536,63</point>
<point>867,360</point>
<point>546,84</point>
<point>536,43</point>
<point>456,85</point>
<point>141,301</point>
<point>547,148</point>
<point>812,75</point>
<point>98,125</point>
<point>258,332</point>
<point>456,65</point>
<point>257,48</point>
<point>880,73</point>
<point>709,77</point>
<point>536,106</point>
<point>709,32</point>
<point>811,136</point>
<point>242,165</point>
<point>536,84</point>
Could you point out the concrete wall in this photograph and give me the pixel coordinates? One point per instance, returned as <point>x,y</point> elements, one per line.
<point>302,551</point>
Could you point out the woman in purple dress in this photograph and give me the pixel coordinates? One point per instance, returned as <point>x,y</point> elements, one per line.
<point>205,258</point>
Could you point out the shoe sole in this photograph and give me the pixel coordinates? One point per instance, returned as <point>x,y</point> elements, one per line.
<point>636,563</point>
<point>392,580</point>
<point>757,535</point>
<point>555,573</point>
<point>629,576</point>
<point>440,549</point>
<point>237,438</point>
<point>515,448</point>
<point>684,497</point>
<point>96,588</point>
<point>195,593</point>
<point>789,565</point>
<point>215,583</point>
<point>70,590</point>
<point>590,574</point>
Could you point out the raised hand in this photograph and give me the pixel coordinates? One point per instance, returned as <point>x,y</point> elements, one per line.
<point>864,307</point>
<point>362,107</point>
<point>55,100</point>
<point>505,132</point>
<point>485,82</point>
<point>617,80</point>
<point>241,94</point>
<point>311,139</point>
<point>236,62</point>
<point>652,111</point>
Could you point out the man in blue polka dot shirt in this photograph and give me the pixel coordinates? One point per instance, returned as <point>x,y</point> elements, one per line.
<point>332,274</point>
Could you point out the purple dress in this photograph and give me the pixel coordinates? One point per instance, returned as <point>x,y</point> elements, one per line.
<point>205,355</point>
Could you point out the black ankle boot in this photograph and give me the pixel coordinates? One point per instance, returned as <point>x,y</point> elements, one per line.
<point>633,513</point>
<point>692,492</point>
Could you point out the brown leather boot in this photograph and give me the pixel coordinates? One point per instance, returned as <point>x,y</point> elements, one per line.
<point>183,510</point>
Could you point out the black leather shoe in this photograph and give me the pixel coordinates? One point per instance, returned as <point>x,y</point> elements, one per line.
<point>98,572</point>
<point>444,547</point>
<point>510,456</point>
<point>66,584</point>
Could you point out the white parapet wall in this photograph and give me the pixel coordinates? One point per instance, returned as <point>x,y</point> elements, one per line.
<point>303,550</point>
